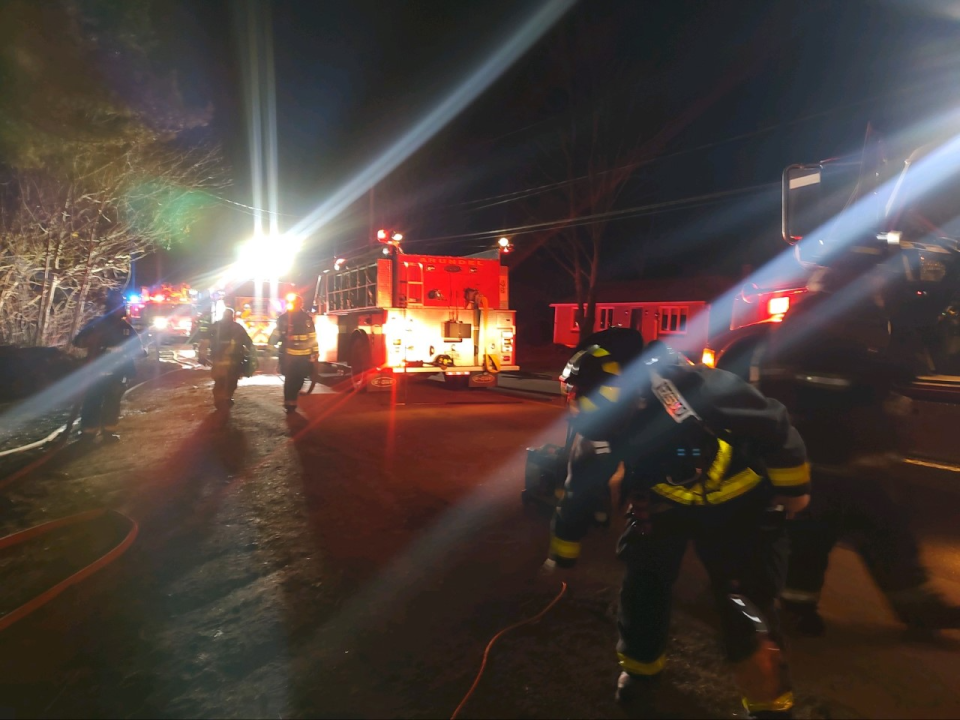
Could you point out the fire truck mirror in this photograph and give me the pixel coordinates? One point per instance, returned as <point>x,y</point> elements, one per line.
<point>802,207</point>
<point>749,292</point>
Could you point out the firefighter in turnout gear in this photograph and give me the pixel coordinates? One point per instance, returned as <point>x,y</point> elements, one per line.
<point>229,343</point>
<point>112,346</point>
<point>698,455</point>
<point>839,388</point>
<point>297,337</point>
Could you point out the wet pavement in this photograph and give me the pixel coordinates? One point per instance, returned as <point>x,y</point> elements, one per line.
<point>354,559</point>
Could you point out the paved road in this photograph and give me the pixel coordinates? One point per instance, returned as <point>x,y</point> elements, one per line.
<point>353,561</point>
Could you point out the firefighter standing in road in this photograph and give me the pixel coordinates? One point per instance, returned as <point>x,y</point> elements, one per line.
<point>700,455</point>
<point>297,337</point>
<point>229,343</point>
<point>112,346</point>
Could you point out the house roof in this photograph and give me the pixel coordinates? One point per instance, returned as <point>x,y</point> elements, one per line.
<point>705,288</point>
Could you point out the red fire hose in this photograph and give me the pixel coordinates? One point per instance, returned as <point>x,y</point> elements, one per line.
<point>98,564</point>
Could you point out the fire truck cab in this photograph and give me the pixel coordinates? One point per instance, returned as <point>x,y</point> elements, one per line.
<point>256,306</point>
<point>387,314</point>
<point>163,313</point>
<point>877,249</point>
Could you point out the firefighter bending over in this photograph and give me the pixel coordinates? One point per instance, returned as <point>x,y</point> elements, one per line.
<point>229,345</point>
<point>297,337</point>
<point>700,455</point>
<point>112,346</point>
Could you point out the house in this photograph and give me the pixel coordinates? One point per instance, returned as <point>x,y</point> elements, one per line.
<point>682,312</point>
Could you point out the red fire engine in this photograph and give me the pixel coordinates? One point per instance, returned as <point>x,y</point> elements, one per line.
<point>163,312</point>
<point>386,313</point>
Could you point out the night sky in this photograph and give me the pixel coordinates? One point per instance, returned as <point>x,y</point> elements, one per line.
<point>739,89</point>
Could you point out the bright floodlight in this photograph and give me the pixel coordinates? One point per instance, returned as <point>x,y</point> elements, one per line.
<point>381,234</point>
<point>397,237</point>
<point>503,242</point>
<point>267,256</point>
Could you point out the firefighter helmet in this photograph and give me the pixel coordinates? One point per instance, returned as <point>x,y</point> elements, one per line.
<point>603,383</point>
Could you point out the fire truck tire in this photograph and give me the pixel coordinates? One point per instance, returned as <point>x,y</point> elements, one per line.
<point>360,361</point>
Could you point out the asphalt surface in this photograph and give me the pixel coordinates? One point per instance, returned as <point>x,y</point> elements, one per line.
<point>354,559</point>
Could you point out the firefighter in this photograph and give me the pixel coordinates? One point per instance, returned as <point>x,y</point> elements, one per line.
<point>112,346</point>
<point>297,337</point>
<point>699,455</point>
<point>475,300</point>
<point>839,391</point>
<point>201,345</point>
<point>230,343</point>
<point>246,312</point>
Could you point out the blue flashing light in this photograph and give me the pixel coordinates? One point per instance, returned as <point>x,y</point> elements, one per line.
<point>133,298</point>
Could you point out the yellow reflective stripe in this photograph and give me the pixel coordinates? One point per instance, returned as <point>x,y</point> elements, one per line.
<point>610,393</point>
<point>564,548</point>
<point>587,405</point>
<point>599,352</point>
<point>731,488</point>
<point>785,477</point>
<point>635,667</point>
<point>612,367</point>
<point>719,467</point>
<point>782,703</point>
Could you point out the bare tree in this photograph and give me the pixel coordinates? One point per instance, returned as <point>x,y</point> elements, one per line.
<point>603,139</point>
<point>67,238</point>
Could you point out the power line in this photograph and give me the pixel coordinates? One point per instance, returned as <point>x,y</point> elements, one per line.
<point>622,214</point>
<point>505,198</point>
<point>247,207</point>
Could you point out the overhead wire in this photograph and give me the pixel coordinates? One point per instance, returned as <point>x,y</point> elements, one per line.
<point>624,213</point>
<point>538,189</point>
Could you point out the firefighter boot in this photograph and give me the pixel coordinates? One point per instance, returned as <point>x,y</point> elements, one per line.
<point>923,608</point>
<point>760,673</point>
<point>804,617</point>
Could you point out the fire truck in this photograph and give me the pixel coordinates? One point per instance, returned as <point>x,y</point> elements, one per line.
<point>877,273</point>
<point>387,314</point>
<point>163,313</point>
<point>256,309</point>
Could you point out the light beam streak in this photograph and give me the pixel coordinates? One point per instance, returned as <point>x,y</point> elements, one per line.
<point>465,93</point>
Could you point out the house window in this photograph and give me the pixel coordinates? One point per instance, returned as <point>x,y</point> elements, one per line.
<point>605,317</point>
<point>673,320</point>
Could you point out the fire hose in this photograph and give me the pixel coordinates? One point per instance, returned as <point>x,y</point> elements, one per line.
<point>486,652</point>
<point>60,437</point>
<point>37,530</point>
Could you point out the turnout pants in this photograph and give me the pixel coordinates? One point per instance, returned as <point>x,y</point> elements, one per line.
<point>296,369</point>
<point>864,511</point>
<point>742,552</point>
<point>226,374</point>
<point>101,405</point>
